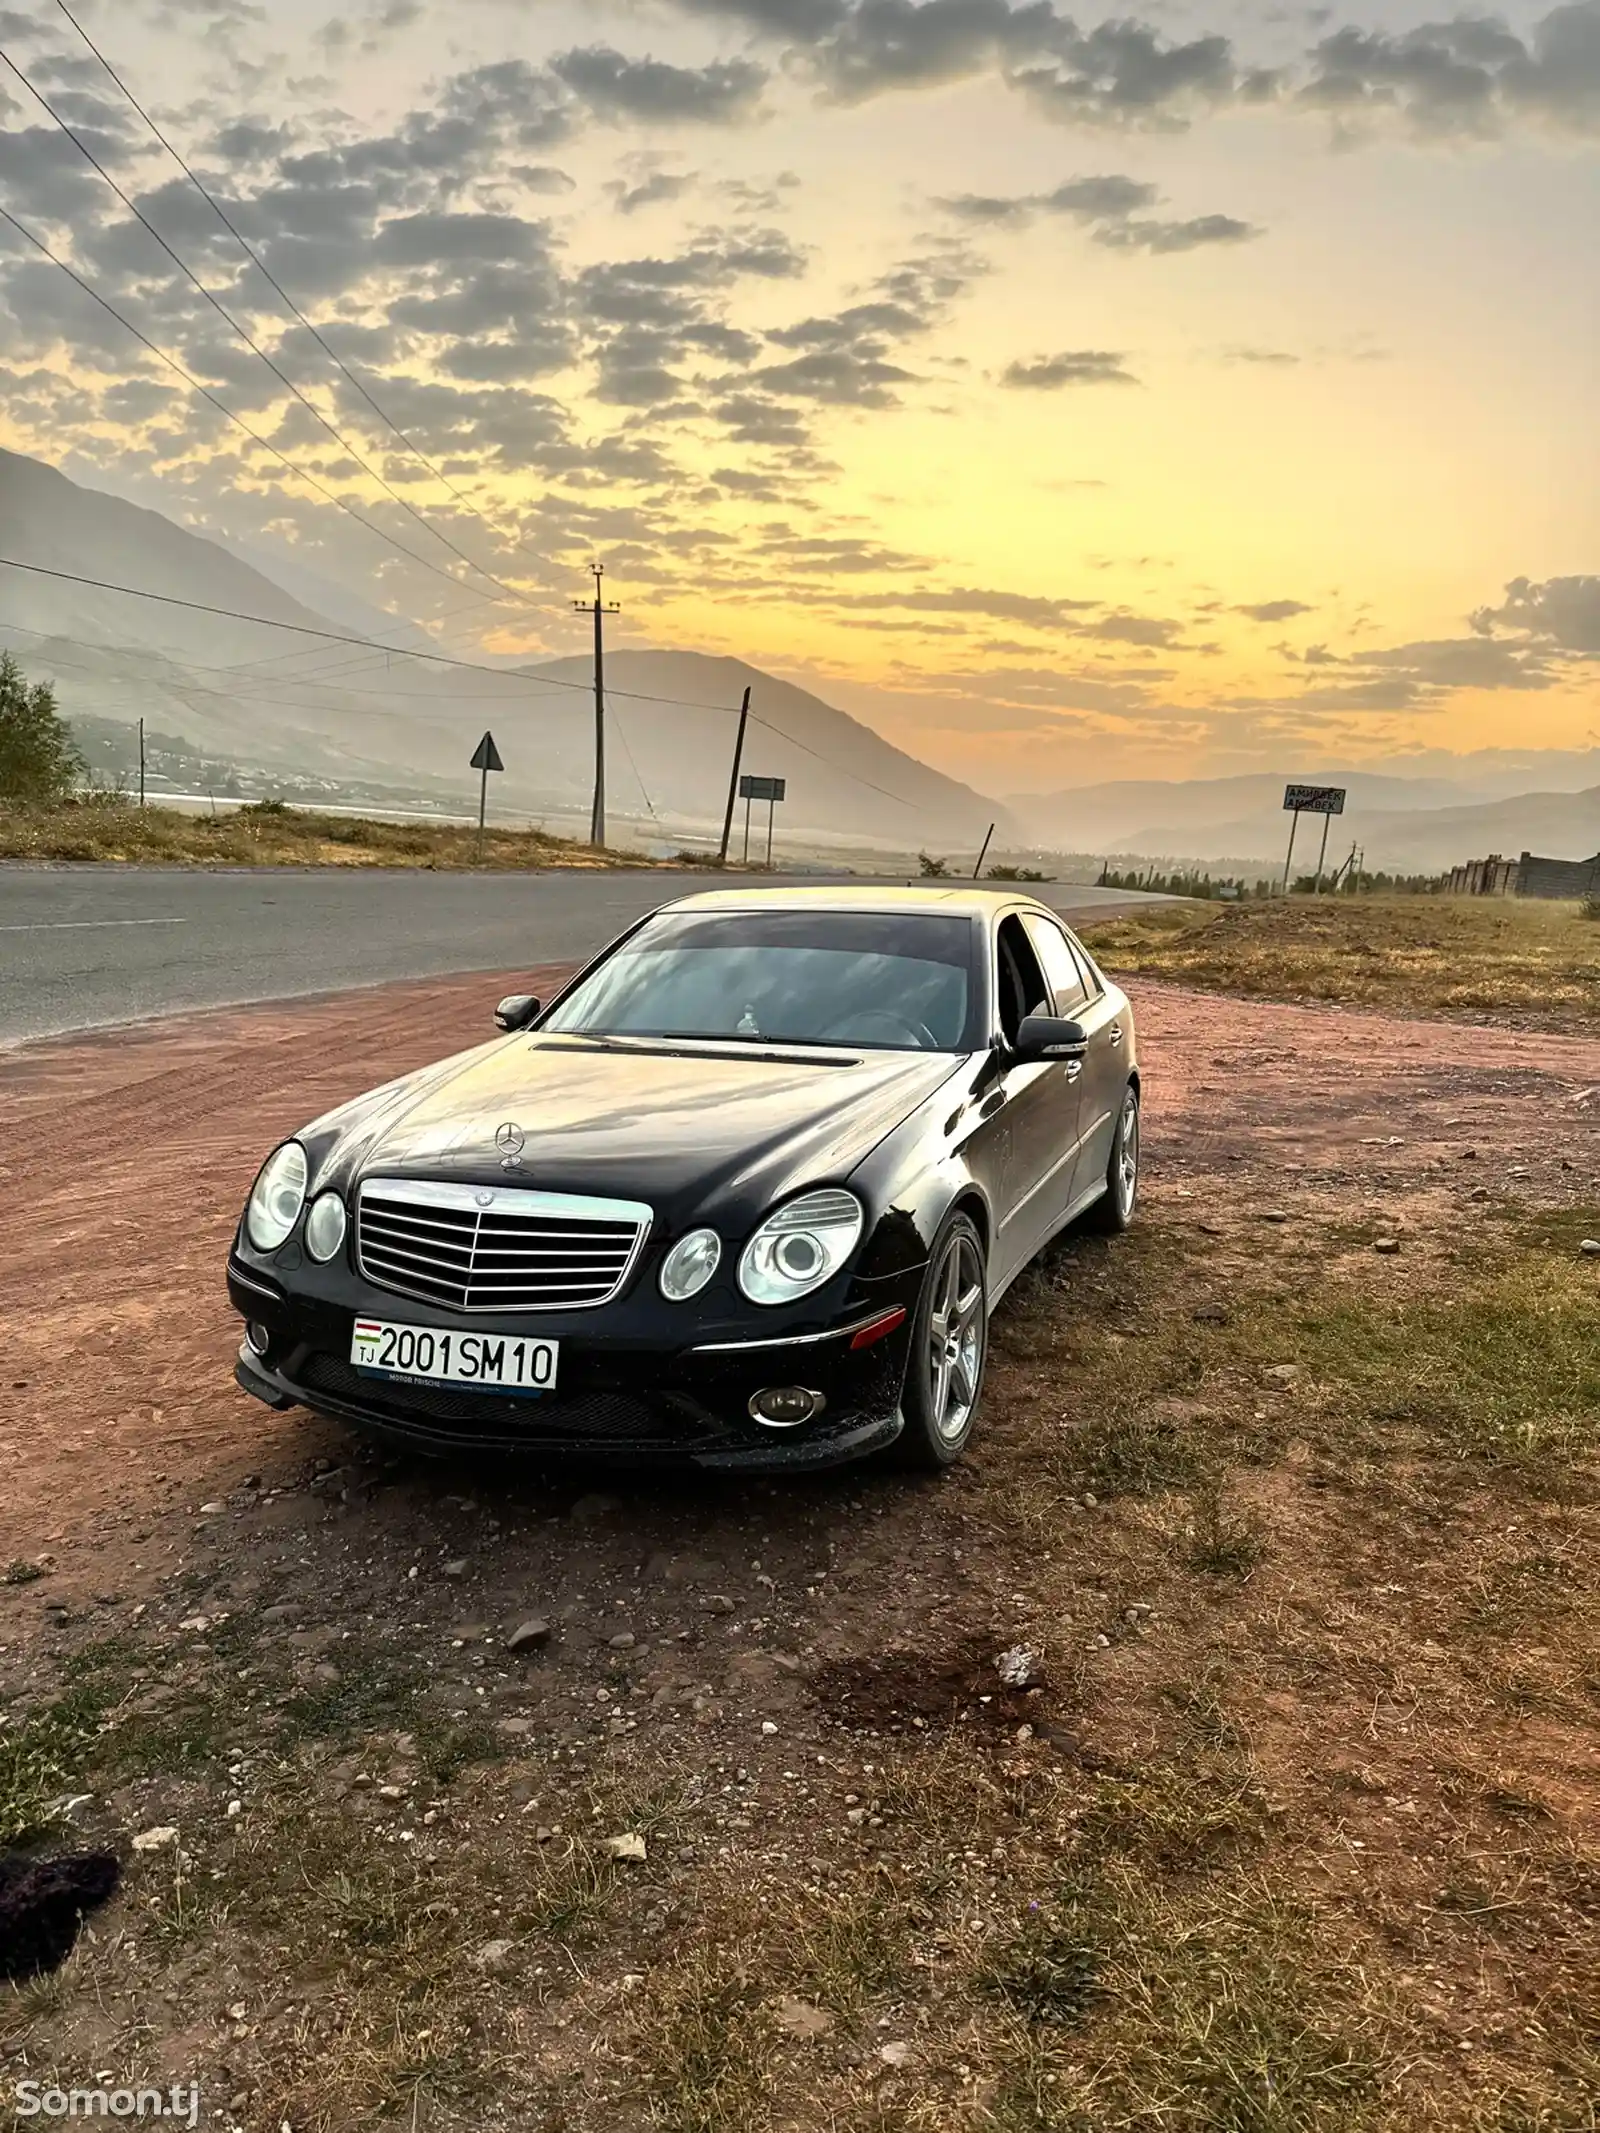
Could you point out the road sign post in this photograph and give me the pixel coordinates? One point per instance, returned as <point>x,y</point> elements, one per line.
<point>772,790</point>
<point>1298,800</point>
<point>485,757</point>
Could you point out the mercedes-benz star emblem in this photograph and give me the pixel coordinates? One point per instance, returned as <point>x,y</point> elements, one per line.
<point>484,1199</point>
<point>509,1139</point>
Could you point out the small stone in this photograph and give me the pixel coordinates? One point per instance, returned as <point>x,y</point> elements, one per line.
<point>197,1624</point>
<point>210,1510</point>
<point>391,1792</point>
<point>492,1955</point>
<point>1285,1373</point>
<point>155,1840</point>
<point>535,1631</point>
<point>1388,1246</point>
<point>1274,1214</point>
<point>767,1726</point>
<point>514,1728</point>
<point>895,2054</point>
<point>801,2019</point>
<point>1210,1314</point>
<point>1017,1666</point>
<point>1590,1245</point>
<point>623,1641</point>
<point>457,1568</point>
<point>589,1508</point>
<point>717,1603</point>
<point>629,1846</point>
<point>280,1611</point>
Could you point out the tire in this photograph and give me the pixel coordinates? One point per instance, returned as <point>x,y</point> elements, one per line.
<point>944,1388</point>
<point>1114,1209</point>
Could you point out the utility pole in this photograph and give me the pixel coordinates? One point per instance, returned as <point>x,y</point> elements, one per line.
<point>733,782</point>
<point>601,608</point>
<point>1322,856</point>
<point>141,762</point>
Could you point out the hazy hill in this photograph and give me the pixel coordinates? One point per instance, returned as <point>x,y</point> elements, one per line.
<point>259,695</point>
<point>1407,825</point>
<point>841,775</point>
<point>1137,814</point>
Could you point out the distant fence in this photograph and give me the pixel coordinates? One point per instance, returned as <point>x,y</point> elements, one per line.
<point>1527,876</point>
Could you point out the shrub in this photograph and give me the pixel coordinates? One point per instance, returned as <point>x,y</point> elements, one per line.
<point>39,761</point>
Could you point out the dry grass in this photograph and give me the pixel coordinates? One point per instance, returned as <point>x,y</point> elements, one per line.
<point>1453,956</point>
<point>269,834</point>
<point>1298,1837</point>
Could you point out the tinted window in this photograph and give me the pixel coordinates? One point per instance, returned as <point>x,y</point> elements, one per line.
<point>898,981</point>
<point>1061,970</point>
<point>1022,987</point>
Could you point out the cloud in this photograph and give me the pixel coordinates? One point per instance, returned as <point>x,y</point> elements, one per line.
<point>1107,206</point>
<point>650,190</point>
<point>847,358</point>
<point>1075,366</point>
<point>1175,236</point>
<point>1563,613</point>
<point>1125,73</point>
<point>618,89</point>
<point>1273,610</point>
<point>1472,78</point>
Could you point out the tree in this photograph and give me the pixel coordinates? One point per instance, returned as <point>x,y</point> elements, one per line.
<point>39,760</point>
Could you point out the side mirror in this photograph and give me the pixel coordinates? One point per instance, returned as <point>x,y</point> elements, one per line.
<point>516,1011</point>
<point>1050,1037</point>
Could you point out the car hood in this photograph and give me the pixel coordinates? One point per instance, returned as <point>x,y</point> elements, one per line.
<point>684,1127</point>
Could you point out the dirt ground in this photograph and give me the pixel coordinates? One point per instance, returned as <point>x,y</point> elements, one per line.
<point>742,1672</point>
<point>131,1152</point>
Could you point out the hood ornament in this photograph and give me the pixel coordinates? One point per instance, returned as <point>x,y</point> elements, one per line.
<point>510,1140</point>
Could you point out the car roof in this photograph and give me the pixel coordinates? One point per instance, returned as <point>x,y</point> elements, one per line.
<point>954,899</point>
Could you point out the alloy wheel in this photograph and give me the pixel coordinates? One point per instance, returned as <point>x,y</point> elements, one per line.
<point>957,1330</point>
<point>1128,1153</point>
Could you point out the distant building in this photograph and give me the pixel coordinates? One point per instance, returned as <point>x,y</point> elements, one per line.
<point>1527,876</point>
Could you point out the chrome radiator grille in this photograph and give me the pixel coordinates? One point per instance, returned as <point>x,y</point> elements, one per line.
<point>496,1248</point>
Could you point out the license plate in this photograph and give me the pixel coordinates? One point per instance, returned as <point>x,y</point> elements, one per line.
<point>431,1355</point>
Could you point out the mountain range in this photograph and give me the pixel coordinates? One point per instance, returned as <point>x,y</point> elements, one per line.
<point>282,696</point>
<point>296,699</point>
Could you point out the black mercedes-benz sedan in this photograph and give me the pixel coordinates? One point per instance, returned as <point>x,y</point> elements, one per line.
<point>742,1196</point>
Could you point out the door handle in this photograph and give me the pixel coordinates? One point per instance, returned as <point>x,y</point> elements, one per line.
<point>1073,1069</point>
<point>1115,1033</point>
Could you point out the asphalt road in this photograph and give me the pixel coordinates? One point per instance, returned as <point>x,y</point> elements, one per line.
<point>87,947</point>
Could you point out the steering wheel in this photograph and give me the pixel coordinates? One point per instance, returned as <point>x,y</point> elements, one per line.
<point>882,1023</point>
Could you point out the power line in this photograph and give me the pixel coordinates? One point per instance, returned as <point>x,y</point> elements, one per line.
<point>222,408</point>
<point>273,282</point>
<point>254,346</point>
<point>444,659</point>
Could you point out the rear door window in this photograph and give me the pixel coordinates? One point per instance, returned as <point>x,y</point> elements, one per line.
<point>1061,967</point>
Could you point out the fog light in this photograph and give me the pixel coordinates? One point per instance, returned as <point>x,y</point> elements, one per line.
<point>785,1406</point>
<point>259,1338</point>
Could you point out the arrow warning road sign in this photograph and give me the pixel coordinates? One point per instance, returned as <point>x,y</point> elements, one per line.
<point>486,756</point>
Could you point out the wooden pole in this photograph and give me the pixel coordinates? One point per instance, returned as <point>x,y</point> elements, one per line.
<point>733,780</point>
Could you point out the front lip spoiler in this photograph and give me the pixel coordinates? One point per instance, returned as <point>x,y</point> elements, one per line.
<point>777,1455</point>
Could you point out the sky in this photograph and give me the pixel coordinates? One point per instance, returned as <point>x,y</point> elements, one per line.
<point>1201,389</point>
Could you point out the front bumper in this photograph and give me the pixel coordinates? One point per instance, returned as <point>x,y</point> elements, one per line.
<point>620,1401</point>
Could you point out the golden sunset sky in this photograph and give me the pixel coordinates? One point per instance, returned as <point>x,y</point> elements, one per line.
<point>1204,389</point>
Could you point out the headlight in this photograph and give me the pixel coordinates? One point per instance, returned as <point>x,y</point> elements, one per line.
<point>325,1225</point>
<point>800,1246</point>
<point>690,1265</point>
<point>277,1197</point>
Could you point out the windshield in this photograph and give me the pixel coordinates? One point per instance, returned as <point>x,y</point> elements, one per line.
<point>899,981</point>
